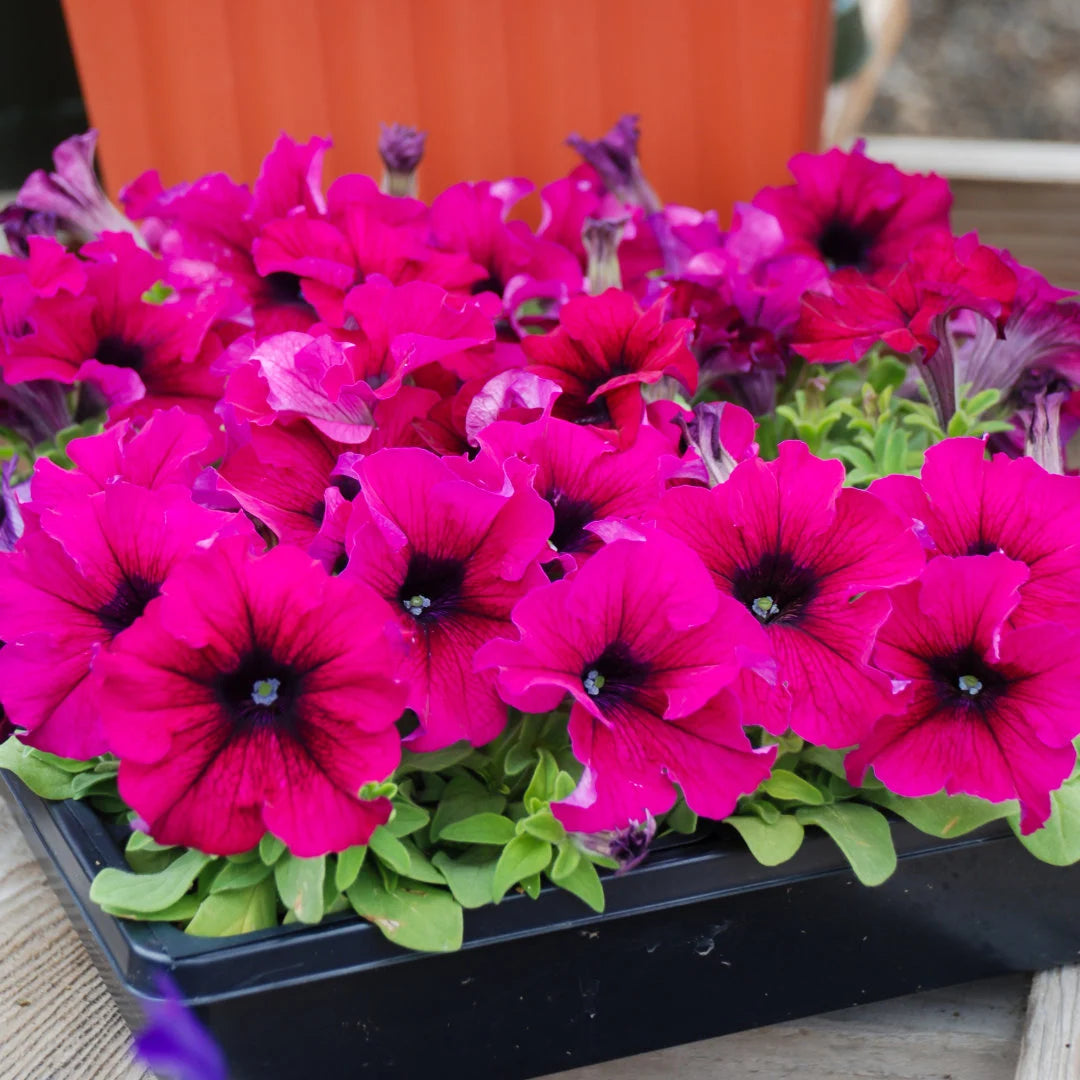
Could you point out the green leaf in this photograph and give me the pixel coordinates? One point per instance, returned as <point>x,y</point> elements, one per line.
<point>1058,841</point>
<point>764,809</point>
<point>543,826</point>
<point>565,862</point>
<point>348,866</point>
<point>179,912</point>
<point>681,819</point>
<point>464,797</point>
<point>145,893</point>
<point>236,911</point>
<point>771,844</point>
<point>480,829</point>
<point>829,760</point>
<point>300,885</point>
<point>270,849</point>
<point>240,876</point>
<point>524,855</point>
<point>37,771</point>
<point>861,833</point>
<point>415,916</point>
<point>158,293</point>
<point>420,866</point>
<point>531,885</point>
<point>390,850</point>
<point>470,877</point>
<point>786,785</point>
<point>372,790</point>
<point>541,789</point>
<point>941,815</point>
<point>435,761</point>
<point>584,883</point>
<point>408,818</point>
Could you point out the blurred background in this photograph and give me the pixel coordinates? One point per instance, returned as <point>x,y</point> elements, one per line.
<point>986,92</point>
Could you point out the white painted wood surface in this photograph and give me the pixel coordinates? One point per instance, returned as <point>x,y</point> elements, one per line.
<point>57,1021</point>
<point>1051,1044</point>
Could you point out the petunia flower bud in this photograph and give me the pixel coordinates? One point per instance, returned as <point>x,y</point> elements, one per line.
<point>703,434</point>
<point>615,157</point>
<point>601,237</point>
<point>401,148</point>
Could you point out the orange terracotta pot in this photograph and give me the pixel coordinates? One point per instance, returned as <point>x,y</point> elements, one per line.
<point>727,89</point>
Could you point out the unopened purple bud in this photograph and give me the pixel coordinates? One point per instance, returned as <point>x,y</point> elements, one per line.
<point>401,148</point>
<point>72,193</point>
<point>615,157</point>
<point>20,223</point>
<point>601,238</point>
<point>1042,431</point>
<point>702,432</point>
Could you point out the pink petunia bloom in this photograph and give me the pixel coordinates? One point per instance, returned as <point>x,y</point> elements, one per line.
<point>452,558</point>
<point>259,694</point>
<point>965,504</point>
<point>745,299</point>
<point>72,588</point>
<point>283,476</point>
<point>136,354</point>
<point>471,219</point>
<point>811,560</point>
<point>336,381</point>
<point>848,210</point>
<point>647,650</point>
<point>595,490</point>
<point>602,355</point>
<point>172,447</point>
<point>987,710</point>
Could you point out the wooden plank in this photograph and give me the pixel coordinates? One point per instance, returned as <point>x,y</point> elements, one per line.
<point>980,159</point>
<point>1051,1043</point>
<point>57,1021</point>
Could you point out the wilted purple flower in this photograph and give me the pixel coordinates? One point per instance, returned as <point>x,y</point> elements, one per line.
<point>20,223</point>
<point>11,521</point>
<point>401,148</point>
<point>601,237</point>
<point>70,198</point>
<point>35,410</point>
<point>174,1042</point>
<point>1042,431</point>
<point>627,846</point>
<point>722,434</point>
<point>615,157</point>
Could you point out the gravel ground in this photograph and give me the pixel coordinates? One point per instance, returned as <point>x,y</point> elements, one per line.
<point>1005,69</point>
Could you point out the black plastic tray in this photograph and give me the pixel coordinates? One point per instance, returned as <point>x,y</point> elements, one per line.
<point>700,940</point>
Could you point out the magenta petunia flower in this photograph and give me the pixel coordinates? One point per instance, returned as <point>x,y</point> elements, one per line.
<point>646,649</point>
<point>72,588</point>
<point>131,351</point>
<point>259,694</point>
<point>471,219</point>
<point>604,351</point>
<point>965,504</point>
<point>172,447</point>
<point>848,210</point>
<point>286,476</point>
<point>595,490</point>
<point>987,710</point>
<point>451,558</point>
<point>811,560</point>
